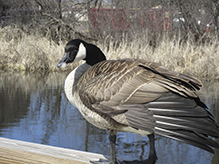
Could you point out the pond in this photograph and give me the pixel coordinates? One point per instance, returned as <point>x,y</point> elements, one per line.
<point>34,108</point>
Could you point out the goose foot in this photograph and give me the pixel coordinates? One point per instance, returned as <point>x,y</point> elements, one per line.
<point>113,160</point>
<point>152,157</point>
<point>150,160</point>
<point>104,161</point>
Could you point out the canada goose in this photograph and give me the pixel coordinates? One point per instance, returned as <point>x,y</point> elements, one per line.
<point>137,96</point>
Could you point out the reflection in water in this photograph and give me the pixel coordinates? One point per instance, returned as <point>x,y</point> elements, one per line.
<point>33,108</point>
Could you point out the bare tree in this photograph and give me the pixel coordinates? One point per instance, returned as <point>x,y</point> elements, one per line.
<point>51,19</point>
<point>66,19</point>
<point>188,10</point>
<point>213,7</point>
<point>12,12</point>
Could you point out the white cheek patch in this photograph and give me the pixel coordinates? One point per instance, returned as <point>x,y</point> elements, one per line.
<point>81,53</point>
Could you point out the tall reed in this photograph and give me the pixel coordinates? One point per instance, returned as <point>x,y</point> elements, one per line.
<point>23,51</point>
<point>200,60</point>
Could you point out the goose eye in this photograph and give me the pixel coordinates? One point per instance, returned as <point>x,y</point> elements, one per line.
<point>72,54</point>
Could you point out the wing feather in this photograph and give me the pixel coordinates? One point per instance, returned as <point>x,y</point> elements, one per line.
<point>147,96</point>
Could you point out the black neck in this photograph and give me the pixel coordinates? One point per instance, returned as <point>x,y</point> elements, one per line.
<point>94,54</point>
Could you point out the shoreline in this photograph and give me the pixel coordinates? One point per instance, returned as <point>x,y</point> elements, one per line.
<point>33,52</point>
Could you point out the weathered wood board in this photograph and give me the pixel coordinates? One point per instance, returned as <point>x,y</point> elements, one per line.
<point>20,152</point>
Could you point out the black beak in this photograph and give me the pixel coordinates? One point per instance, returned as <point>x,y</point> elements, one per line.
<point>64,59</point>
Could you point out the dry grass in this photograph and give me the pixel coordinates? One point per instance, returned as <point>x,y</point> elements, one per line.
<point>198,60</point>
<point>28,52</point>
<point>32,52</point>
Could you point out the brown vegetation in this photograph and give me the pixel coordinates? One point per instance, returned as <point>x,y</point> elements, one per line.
<point>34,33</point>
<point>33,52</point>
<point>198,60</point>
<point>21,51</point>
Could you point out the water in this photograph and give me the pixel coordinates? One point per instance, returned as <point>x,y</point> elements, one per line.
<point>34,108</point>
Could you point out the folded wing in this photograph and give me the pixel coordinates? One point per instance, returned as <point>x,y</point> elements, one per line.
<point>149,97</point>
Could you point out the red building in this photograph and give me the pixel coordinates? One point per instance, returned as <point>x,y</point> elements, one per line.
<point>124,19</point>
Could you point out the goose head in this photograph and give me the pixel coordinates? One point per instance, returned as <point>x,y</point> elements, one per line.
<point>77,50</point>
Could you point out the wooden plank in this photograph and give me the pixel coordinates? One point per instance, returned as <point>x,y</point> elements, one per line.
<point>20,152</point>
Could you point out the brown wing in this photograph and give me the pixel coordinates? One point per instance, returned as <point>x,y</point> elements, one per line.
<point>112,83</point>
<point>147,96</point>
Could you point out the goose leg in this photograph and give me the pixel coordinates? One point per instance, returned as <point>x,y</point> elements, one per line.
<point>112,139</point>
<point>113,160</point>
<point>152,156</point>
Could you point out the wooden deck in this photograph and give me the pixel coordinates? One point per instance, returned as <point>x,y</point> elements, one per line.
<point>20,152</point>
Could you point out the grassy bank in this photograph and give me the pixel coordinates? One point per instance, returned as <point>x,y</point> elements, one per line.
<point>198,60</point>
<point>21,51</point>
<point>32,52</point>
